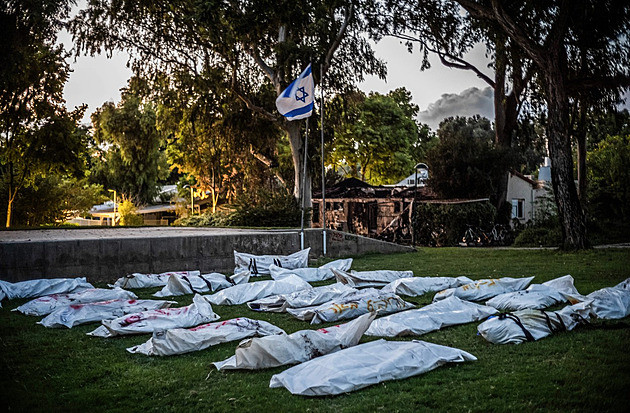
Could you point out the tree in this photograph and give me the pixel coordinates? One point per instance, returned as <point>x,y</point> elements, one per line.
<point>376,141</point>
<point>212,135</point>
<point>438,27</point>
<point>556,36</point>
<point>38,136</point>
<point>131,160</point>
<point>465,163</point>
<point>610,178</point>
<point>252,43</point>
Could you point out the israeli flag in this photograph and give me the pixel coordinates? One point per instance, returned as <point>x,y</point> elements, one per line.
<point>296,101</point>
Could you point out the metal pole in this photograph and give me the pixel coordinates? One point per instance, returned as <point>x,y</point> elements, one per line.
<point>304,186</point>
<point>192,202</point>
<point>321,87</point>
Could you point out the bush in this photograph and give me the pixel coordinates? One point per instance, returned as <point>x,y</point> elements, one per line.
<point>128,216</point>
<point>264,209</point>
<point>539,236</point>
<point>203,220</point>
<point>441,225</point>
<point>261,209</point>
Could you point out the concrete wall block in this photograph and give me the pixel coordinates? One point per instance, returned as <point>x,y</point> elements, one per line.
<point>167,249</point>
<point>134,251</point>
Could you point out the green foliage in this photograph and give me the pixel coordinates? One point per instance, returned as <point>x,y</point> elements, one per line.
<point>376,136</point>
<point>539,236</point>
<point>128,216</point>
<point>567,371</point>
<point>52,199</point>
<point>609,177</point>
<point>465,163</point>
<point>254,49</point>
<point>202,220</point>
<point>38,136</point>
<point>442,225</point>
<point>130,156</point>
<point>212,135</point>
<point>265,209</point>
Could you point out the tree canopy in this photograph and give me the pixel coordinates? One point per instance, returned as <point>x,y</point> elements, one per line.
<point>38,136</point>
<point>465,162</point>
<point>252,44</point>
<point>129,158</point>
<point>375,136</point>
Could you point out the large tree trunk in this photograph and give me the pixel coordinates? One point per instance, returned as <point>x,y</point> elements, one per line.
<point>296,140</point>
<point>572,217</point>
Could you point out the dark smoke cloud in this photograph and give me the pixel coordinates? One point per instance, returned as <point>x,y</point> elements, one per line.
<point>473,101</point>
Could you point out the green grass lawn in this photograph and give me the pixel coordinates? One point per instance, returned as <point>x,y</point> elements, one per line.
<point>587,369</point>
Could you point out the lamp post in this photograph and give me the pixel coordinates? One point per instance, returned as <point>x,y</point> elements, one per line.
<point>114,218</point>
<point>192,200</point>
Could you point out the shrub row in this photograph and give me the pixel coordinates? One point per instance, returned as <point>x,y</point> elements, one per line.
<point>442,225</point>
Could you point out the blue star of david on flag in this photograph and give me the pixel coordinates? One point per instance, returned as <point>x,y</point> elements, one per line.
<point>304,94</point>
<point>296,101</point>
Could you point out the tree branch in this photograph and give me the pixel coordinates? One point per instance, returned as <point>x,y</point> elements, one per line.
<point>459,63</point>
<point>269,72</point>
<point>248,102</point>
<point>349,13</point>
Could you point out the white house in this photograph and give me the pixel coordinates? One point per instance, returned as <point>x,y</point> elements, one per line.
<point>523,192</point>
<point>421,174</point>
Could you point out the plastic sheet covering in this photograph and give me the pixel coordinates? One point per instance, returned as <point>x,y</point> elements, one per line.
<point>138,280</point>
<point>415,286</point>
<point>46,286</point>
<point>243,293</point>
<point>301,346</point>
<point>312,274</point>
<point>303,298</point>
<point>448,312</point>
<point>485,289</point>
<point>259,264</point>
<point>199,312</point>
<point>49,303</point>
<point>351,306</point>
<point>536,296</point>
<point>377,278</point>
<point>366,364</point>
<point>532,325</point>
<point>203,283</point>
<point>611,303</point>
<point>75,314</point>
<point>181,340</point>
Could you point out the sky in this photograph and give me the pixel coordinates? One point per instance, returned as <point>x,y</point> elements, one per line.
<point>439,92</point>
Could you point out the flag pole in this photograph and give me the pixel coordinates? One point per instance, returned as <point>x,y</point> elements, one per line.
<point>304,186</point>
<point>321,87</point>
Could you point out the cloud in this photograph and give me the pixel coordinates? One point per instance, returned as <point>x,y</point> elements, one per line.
<point>473,101</point>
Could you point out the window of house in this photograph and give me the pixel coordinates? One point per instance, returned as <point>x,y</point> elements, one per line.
<point>518,208</point>
<point>327,206</point>
<point>315,212</point>
<point>396,207</point>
